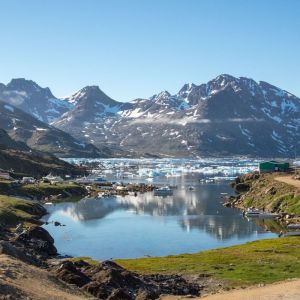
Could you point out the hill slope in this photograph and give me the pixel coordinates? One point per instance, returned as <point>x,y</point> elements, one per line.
<point>41,136</point>
<point>17,157</point>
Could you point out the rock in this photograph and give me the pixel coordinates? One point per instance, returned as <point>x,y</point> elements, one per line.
<point>119,294</point>
<point>108,280</point>
<point>9,249</point>
<point>38,239</point>
<point>237,180</point>
<point>272,190</point>
<point>250,177</point>
<point>99,291</point>
<point>146,295</point>
<point>242,187</point>
<point>37,209</point>
<point>70,274</point>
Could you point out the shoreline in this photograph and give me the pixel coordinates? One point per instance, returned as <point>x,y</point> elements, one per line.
<point>209,279</point>
<point>267,193</point>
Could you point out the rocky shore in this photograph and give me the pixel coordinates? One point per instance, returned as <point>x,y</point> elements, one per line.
<point>31,244</point>
<point>25,244</point>
<point>265,192</point>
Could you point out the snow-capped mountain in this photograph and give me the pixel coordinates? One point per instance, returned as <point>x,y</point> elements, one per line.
<point>90,103</point>
<point>35,100</point>
<point>24,128</point>
<point>226,116</point>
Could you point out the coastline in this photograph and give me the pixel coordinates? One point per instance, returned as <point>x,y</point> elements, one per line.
<point>198,274</point>
<point>274,193</point>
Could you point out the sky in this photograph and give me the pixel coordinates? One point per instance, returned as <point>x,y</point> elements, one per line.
<point>137,48</point>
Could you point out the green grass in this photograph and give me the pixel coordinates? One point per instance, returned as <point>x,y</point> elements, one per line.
<point>285,199</point>
<point>46,189</point>
<point>13,210</point>
<point>42,190</point>
<point>263,261</point>
<point>86,259</point>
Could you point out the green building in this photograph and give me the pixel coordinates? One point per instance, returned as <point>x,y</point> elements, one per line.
<point>273,166</point>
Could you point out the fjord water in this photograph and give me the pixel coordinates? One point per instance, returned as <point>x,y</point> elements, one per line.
<point>148,225</point>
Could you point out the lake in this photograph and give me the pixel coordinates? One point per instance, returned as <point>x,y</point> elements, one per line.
<point>146,225</point>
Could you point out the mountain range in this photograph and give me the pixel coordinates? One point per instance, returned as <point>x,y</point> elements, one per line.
<point>226,116</point>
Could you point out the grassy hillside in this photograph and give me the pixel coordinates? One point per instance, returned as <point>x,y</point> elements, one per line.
<point>42,190</point>
<point>265,192</point>
<point>263,261</point>
<point>35,164</point>
<point>14,210</point>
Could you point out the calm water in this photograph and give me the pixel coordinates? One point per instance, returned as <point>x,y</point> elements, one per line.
<point>147,225</point>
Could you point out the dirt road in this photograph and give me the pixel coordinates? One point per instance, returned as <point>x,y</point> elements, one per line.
<point>288,290</point>
<point>289,180</point>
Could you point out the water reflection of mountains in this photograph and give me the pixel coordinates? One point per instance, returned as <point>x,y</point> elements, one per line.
<point>199,209</point>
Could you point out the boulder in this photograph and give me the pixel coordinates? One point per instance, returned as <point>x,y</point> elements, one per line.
<point>20,253</point>
<point>108,280</point>
<point>38,239</point>
<point>242,187</point>
<point>70,274</point>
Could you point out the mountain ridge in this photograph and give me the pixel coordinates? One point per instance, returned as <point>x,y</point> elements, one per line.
<point>225,116</point>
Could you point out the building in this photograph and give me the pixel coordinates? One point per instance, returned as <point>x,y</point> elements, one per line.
<point>28,180</point>
<point>5,175</point>
<point>52,179</point>
<point>273,166</point>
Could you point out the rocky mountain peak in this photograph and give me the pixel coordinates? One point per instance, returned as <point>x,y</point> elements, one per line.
<point>33,99</point>
<point>162,95</point>
<point>186,88</point>
<point>29,86</point>
<point>90,95</point>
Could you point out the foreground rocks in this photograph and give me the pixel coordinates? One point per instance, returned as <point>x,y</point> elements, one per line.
<point>39,240</point>
<point>108,280</point>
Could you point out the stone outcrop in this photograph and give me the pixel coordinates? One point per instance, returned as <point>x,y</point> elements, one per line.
<point>108,280</point>
<point>38,239</point>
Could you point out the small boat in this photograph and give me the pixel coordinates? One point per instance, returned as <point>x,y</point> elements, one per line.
<point>163,191</point>
<point>255,212</point>
<point>252,212</point>
<point>209,180</point>
<point>293,226</point>
<point>292,233</point>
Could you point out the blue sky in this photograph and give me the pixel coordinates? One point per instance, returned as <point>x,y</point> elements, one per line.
<point>136,48</point>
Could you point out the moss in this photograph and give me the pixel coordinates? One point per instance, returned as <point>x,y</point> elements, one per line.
<point>43,190</point>
<point>13,210</point>
<point>86,259</point>
<point>263,261</point>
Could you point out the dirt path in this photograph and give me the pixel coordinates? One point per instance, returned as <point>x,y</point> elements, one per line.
<point>288,290</point>
<point>22,281</point>
<point>289,180</point>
